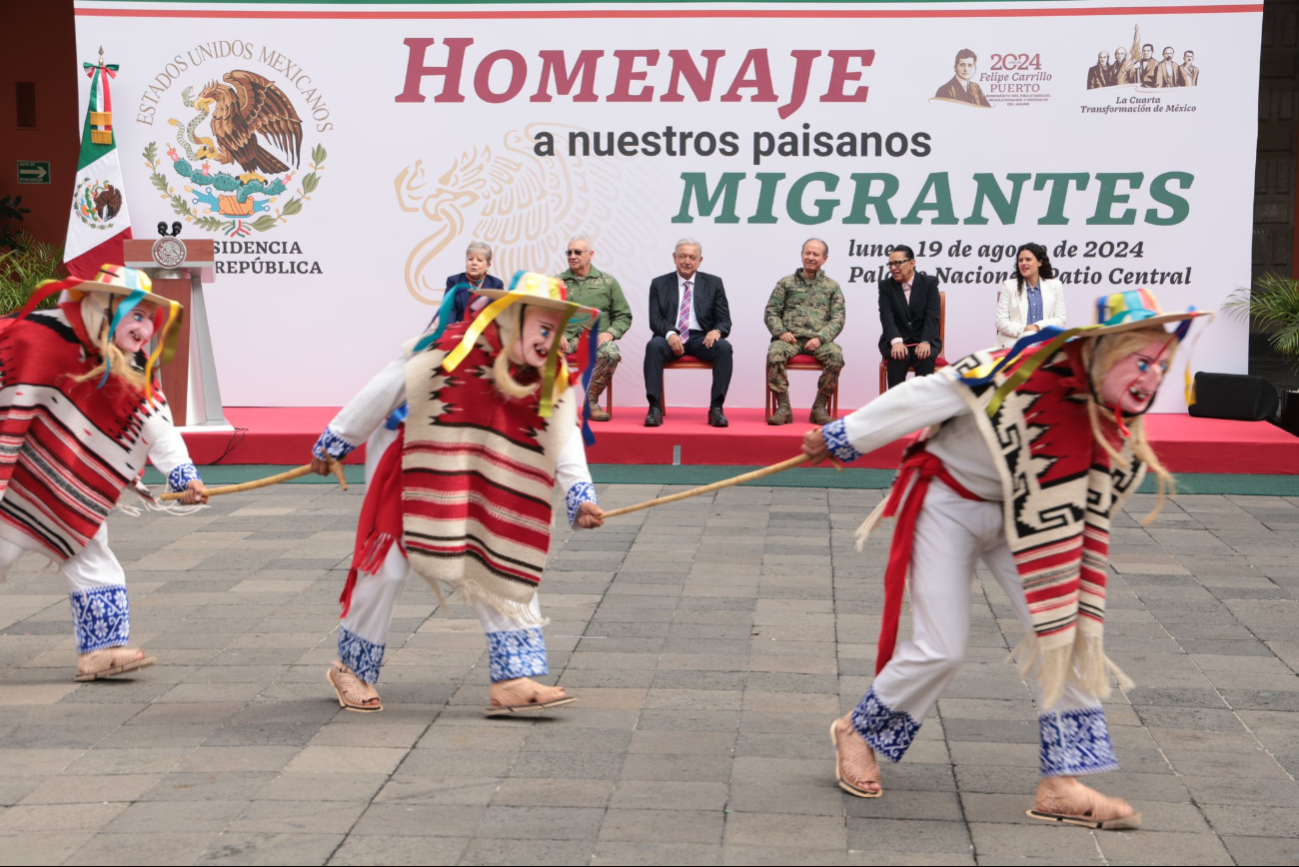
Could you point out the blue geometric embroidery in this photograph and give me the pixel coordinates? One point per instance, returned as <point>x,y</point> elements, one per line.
<point>582,492</point>
<point>331,444</point>
<point>179,478</point>
<point>362,656</point>
<point>889,732</point>
<point>101,617</point>
<point>1076,742</point>
<point>517,653</point>
<point>836,437</point>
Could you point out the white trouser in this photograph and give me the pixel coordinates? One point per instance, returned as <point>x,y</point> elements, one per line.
<point>101,614</point>
<point>516,649</point>
<point>952,535</point>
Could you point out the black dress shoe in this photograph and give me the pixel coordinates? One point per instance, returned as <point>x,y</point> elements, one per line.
<point>715,417</point>
<point>654,417</point>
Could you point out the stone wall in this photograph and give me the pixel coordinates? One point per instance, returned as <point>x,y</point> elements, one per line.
<point>1278,137</point>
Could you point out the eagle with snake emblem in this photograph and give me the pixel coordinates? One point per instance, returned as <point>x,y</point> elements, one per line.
<point>108,201</point>
<point>244,106</point>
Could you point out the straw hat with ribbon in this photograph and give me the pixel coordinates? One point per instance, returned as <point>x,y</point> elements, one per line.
<point>532,290</point>
<point>133,287</point>
<point>1115,313</point>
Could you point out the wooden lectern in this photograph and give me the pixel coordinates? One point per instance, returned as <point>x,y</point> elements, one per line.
<point>190,379</point>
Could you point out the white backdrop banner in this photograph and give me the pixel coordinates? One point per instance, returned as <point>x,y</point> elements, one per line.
<point>343,154</point>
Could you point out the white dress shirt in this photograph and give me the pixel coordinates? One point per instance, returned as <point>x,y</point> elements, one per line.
<point>906,294</point>
<point>681,294</point>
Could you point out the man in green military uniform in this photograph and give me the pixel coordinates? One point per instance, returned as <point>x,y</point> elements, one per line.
<point>804,315</point>
<point>592,288</point>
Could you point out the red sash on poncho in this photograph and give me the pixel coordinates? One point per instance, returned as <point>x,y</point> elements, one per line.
<point>67,449</point>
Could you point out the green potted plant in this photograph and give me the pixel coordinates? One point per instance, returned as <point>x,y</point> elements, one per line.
<point>11,211</point>
<point>23,268</point>
<point>1273,307</point>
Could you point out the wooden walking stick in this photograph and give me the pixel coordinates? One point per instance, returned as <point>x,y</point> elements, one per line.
<point>717,486</point>
<point>334,466</point>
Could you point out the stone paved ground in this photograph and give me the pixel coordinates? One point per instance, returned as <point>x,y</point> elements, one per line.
<point>711,643</point>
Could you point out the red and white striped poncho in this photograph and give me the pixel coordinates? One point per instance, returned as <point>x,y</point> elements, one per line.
<point>67,449</point>
<point>478,475</point>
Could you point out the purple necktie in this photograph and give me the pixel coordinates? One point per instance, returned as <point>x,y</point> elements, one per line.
<point>683,321</point>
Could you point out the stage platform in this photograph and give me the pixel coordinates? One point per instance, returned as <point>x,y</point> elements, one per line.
<point>284,436</point>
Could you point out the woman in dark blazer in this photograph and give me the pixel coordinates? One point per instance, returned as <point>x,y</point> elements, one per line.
<point>478,258</point>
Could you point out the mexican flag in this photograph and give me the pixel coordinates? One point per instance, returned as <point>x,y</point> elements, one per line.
<point>99,221</point>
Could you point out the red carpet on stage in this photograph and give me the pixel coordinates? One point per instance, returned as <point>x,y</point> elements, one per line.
<point>284,435</point>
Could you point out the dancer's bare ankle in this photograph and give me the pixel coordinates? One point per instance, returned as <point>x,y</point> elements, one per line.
<point>1058,785</point>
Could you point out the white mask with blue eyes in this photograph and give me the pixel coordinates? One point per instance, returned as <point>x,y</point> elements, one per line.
<point>1130,385</point>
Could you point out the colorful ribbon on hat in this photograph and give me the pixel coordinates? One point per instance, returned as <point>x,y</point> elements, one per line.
<point>140,285</point>
<point>166,348</point>
<point>443,319</point>
<point>555,365</point>
<point>592,347</point>
<point>474,331</point>
<point>1111,310</point>
<point>44,290</point>
<point>445,310</point>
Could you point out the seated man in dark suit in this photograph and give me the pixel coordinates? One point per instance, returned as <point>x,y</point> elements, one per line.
<point>909,310</point>
<point>688,315</point>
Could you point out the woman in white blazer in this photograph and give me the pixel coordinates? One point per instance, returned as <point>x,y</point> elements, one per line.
<point>1035,276</point>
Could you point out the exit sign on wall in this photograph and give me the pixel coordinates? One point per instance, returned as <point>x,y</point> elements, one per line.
<point>33,171</point>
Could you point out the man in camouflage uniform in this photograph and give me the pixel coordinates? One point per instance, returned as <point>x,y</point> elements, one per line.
<point>592,288</point>
<point>804,315</point>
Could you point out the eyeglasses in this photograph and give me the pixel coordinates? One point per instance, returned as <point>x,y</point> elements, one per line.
<point>898,263</point>
<point>577,252</point>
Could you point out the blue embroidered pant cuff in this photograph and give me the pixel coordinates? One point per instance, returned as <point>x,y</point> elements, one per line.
<point>952,535</point>
<point>516,653</point>
<point>887,731</point>
<point>1076,742</point>
<point>516,649</point>
<point>363,656</point>
<point>101,617</point>
<point>101,612</point>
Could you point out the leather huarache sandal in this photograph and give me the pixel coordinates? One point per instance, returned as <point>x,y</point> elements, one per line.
<point>1086,807</point>
<point>110,662</point>
<point>528,696</point>
<point>353,693</point>
<point>853,772</point>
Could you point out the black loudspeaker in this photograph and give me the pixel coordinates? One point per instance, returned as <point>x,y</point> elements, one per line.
<point>1233,396</point>
<point>1289,420</point>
